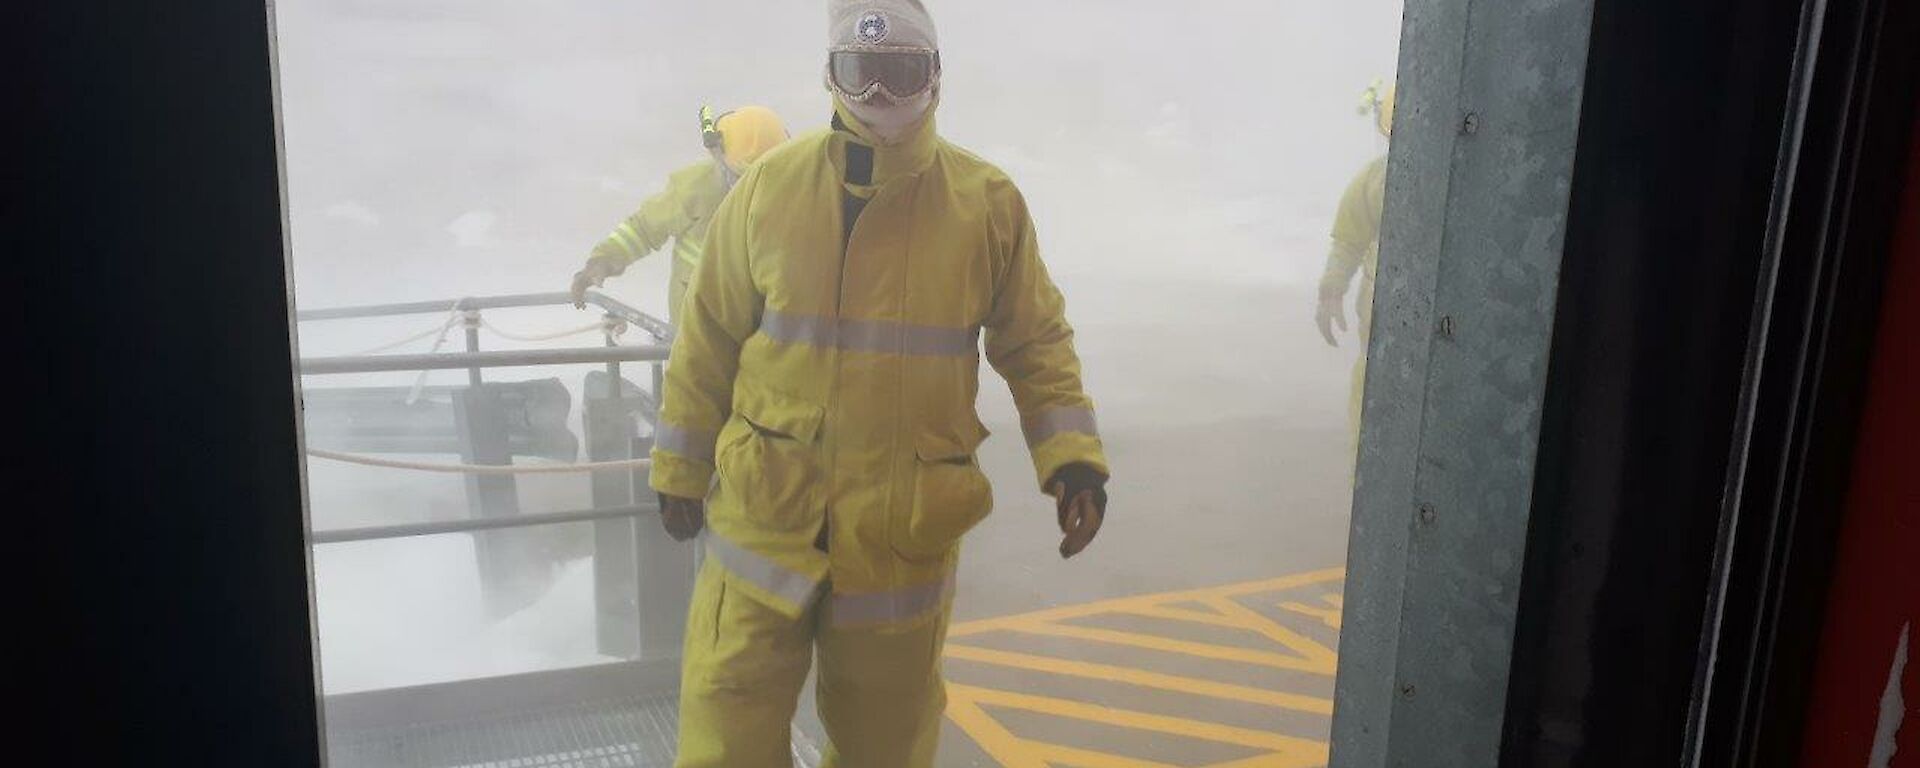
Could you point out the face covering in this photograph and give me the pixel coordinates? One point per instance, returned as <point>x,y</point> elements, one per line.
<point>888,119</point>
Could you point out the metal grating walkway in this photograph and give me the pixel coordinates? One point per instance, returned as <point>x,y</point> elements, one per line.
<point>624,733</point>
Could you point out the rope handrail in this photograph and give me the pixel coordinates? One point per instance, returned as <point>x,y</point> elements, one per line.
<point>426,334</point>
<point>454,319</point>
<point>590,328</point>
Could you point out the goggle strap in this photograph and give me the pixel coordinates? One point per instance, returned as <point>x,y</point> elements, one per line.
<point>710,135</point>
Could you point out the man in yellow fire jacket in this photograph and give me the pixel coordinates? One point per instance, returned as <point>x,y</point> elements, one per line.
<point>819,419</point>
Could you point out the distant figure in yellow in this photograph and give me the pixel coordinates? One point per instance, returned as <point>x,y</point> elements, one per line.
<point>682,211</point>
<point>1356,248</point>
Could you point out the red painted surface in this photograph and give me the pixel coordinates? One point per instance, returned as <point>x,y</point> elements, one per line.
<point>1876,584</point>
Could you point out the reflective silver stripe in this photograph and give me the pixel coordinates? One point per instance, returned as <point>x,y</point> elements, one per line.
<point>692,444</point>
<point>797,329</point>
<point>1059,421</point>
<point>629,240</point>
<point>766,574</point>
<point>898,605</point>
<point>870,335</point>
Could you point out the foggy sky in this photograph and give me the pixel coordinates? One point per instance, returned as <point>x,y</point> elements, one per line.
<point>442,147</point>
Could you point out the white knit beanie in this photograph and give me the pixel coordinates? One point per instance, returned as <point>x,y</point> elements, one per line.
<point>879,25</point>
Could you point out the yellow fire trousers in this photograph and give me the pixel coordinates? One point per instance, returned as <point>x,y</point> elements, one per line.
<point>879,692</point>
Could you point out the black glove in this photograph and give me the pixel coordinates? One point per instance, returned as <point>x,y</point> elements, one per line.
<point>682,517</point>
<point>1080,498</point>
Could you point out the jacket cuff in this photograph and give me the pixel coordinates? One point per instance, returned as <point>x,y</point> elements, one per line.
<point>1068,448</point>
<point>615,260</point>
<point>676,475</point>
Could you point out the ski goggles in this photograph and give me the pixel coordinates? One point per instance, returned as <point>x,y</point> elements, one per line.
<point>902,74</point>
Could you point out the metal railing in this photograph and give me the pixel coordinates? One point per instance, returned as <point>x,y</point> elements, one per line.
<point>474,360</point>
<point>656,327</point>
<point>612,354</point>
<point>435,528</point>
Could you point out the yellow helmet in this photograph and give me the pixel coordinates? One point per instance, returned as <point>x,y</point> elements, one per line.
<point>1377,100</point>
<point>741,136</point>
<point>1383,117</point>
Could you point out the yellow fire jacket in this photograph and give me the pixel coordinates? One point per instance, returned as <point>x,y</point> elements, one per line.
<point>826,374</point>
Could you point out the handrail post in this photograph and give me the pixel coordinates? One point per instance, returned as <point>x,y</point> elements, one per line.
<point>471,319</point>
<point>665,576</point>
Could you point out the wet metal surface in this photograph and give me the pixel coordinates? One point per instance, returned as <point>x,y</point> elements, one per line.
<point>1477,194</point>
<point>628,733</point>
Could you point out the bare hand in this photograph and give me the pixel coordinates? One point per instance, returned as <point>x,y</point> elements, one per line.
<point>581,282</point>
<point>682,517</point>
<point>1329,312</point>
<point>592,275</point>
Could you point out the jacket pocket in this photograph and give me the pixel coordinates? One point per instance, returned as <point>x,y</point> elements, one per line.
<point>769,462</point>
<point>950,494</point>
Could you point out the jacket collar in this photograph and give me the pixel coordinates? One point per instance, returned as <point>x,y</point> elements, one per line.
<point>904,158</point>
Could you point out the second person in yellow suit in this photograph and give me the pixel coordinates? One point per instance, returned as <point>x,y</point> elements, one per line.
<point>819,419</point>
<point>1356,249</point>
<point>683,211</point>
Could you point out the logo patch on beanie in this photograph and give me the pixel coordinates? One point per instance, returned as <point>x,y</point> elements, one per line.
<point>871,28</point>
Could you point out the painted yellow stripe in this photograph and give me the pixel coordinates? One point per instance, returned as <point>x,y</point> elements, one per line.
<point>1233,615</point>
<point>1296,580</point>
<point>1109,606</point>
<point>994,739</point>
<point>1178,726</point>
<point>1183,614</point>
<point>1164,682</point>
<point>1298,643</point>
<point>1156,643</point>
<point>1061,755</point>
<point>1329,616</point>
